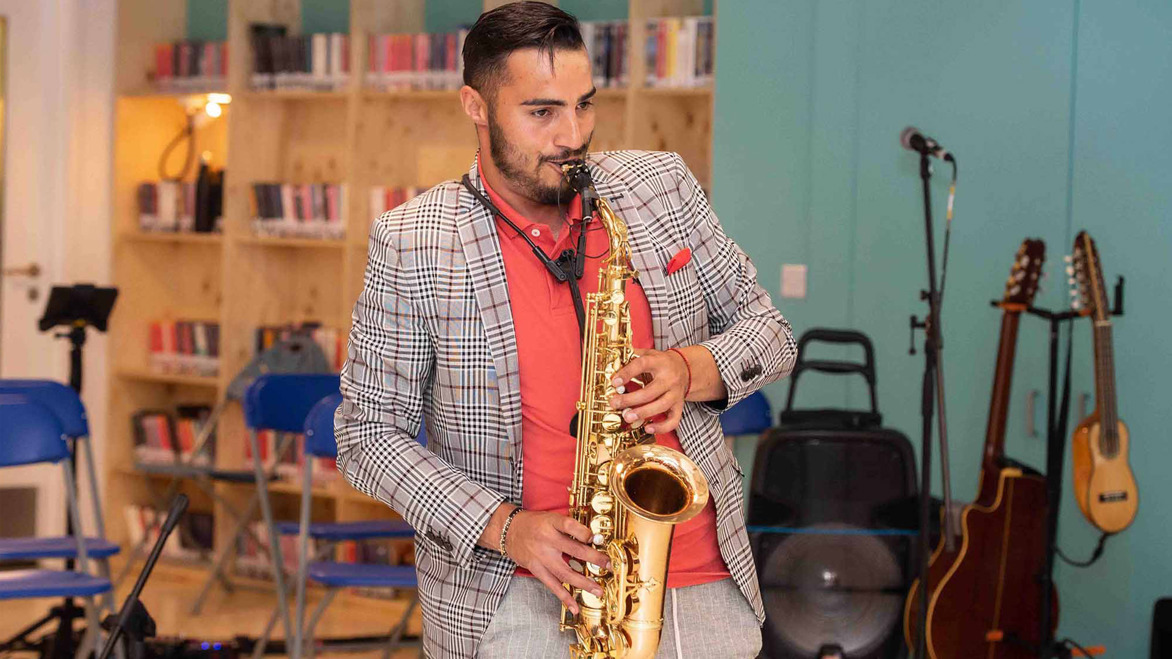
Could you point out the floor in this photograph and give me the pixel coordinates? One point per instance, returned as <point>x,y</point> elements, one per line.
<point>171,589</point>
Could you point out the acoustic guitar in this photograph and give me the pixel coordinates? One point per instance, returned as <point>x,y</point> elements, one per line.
<point>984,597</point>
<point>1103,483</point>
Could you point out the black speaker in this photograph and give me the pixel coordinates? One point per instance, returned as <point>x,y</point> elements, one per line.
<point>827,514</point>
<point>1162,629</point>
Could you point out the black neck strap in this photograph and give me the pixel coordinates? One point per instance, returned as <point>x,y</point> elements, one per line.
<point>569,265</point>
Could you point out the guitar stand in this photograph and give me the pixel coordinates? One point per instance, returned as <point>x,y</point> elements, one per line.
<point>1055,461</point>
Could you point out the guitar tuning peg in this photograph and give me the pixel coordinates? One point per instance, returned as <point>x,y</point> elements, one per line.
<point>1076,305</point>
<point>1068,258</point>
<point>1071,281</point>
<point>1070,269</point>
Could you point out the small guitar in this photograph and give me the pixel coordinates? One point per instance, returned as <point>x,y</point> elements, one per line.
<point>984,598</point>
<point>1103,483</point>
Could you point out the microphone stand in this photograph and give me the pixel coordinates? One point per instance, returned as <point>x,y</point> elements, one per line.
<point>133,619</point>
<point>932,396</point>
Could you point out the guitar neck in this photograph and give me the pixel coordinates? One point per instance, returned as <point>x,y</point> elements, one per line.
<point>999,402</point>
<point>1105,398</point>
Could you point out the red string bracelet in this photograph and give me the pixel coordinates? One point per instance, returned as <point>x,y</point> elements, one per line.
<point>688,366</point>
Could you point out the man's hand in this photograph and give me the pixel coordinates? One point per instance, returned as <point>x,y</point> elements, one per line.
<point>660,401</point>
<point>537,541</point>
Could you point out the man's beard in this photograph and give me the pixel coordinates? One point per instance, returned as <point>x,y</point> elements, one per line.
<point>511,163</point>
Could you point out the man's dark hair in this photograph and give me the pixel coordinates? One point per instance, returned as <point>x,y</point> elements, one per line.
<point>511,27</point>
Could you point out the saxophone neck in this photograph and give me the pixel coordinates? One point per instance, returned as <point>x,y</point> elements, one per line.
<point>578,174</point>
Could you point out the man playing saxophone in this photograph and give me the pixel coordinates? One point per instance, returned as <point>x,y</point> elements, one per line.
<point>471,319</point>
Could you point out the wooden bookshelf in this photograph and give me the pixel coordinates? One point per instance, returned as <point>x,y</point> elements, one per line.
<point>355,136</point>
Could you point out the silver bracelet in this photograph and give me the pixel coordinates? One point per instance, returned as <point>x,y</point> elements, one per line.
<point>505,530</point>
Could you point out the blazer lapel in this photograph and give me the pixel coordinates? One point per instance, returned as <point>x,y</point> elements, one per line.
<point>482,253</point>
<point>650,273</point>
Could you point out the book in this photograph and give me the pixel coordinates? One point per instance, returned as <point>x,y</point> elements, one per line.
<point>189,66</point>
<point>285,210</point>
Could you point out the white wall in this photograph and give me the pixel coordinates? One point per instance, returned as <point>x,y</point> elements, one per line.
<point>58,130</point>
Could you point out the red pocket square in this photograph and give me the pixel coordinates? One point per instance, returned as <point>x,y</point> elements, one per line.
<point>679,260</point>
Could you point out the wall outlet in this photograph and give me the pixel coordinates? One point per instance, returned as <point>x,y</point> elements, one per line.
<point>793,280</point>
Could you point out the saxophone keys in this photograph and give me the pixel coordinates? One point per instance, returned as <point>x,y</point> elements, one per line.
<point>602,473</point>
<point>602,527</point>
<point>602,503</point>
<point>589,600</point>
<point>611,422</point>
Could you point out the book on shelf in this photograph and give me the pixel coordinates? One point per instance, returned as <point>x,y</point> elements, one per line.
<point>182,206</point>
<point>308,210</point>
<point>166,437</point>
<point>194,540</point>
<point>253,561</point>
<point>331,341</point>
<point>186,347</point>
<point>190,66</point>
<point>415,61</point>
<point>679,52</point>
<point>314,62</point>
<point>383,199</point>
<point>606,44</point>
<point>289,464</point>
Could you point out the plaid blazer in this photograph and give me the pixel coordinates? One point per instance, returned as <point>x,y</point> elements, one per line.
<point>433,339</point>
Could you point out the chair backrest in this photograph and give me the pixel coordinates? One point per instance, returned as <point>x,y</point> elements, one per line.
<point>281,402</point>
<point>751,416</point>
<point>29,432</point>
<point>58,397</point>
<point>297,354</point>
<point>319,428</point>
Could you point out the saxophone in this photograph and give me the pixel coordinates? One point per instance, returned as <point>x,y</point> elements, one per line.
<point>629,491</point>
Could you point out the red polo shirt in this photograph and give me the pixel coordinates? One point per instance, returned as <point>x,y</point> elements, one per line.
<point>550,358</point>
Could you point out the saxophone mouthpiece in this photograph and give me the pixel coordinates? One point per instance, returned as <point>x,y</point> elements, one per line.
<point>578,174</point>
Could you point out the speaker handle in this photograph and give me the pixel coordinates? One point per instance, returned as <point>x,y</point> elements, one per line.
<point>834,367</point>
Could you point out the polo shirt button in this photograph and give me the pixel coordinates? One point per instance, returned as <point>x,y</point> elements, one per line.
<point>536,232</point>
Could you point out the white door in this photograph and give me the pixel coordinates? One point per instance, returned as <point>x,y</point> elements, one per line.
<point>35,139</point>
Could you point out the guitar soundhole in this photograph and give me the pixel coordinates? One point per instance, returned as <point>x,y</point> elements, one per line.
<point>1112,497</point>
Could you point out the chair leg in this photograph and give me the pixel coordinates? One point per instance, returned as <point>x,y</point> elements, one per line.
<point>262,491</point>
<point>267,634</point>
<point>307,643</point>
<point>302,555</point>
<point>399,629</point>
<point>218,569</point>
<point>91,640</point>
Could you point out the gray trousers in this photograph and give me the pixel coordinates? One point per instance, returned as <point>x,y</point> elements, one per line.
<point>712,620</point>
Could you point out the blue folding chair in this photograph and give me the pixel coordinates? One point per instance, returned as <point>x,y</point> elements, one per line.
<point>747,419</point>
<point>320,442</point>
<point>30,433</point>
<point>66,405</point>
<point>280,402</point>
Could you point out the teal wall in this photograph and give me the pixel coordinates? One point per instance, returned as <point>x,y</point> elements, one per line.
<point>325,16</point>
<point>207,20</point>
<point>1058,113</point>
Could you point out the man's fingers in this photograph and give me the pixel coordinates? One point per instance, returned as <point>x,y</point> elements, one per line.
<point>668,424</point>
<point>654,390</point>
<point>584,553</point>
<point>660,405</point>
<point>551,582</point>
<point>577,580</point>
<point>575,529</point>
<point>644,360</point>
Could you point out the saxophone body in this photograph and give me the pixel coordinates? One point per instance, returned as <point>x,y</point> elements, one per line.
<point>629,491</point>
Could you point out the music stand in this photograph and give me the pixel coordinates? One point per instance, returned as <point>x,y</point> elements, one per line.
<point>77,307</point>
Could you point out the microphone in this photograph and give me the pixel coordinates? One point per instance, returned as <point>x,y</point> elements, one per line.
<point>913,140</point>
